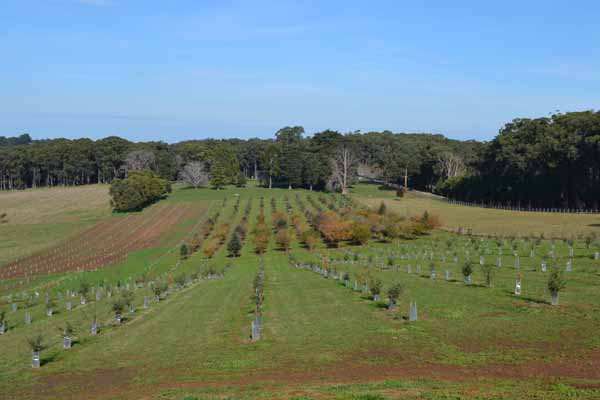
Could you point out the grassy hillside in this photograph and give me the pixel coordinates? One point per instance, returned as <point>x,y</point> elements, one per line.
<point>39,218</point>
<point>321,339</point>
<point>482,220</point>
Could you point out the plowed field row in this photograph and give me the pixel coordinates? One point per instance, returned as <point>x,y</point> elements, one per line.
<point>106,243</point>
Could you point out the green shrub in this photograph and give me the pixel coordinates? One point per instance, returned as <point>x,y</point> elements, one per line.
<point>180,280</point>
<point>138,190</point>
<point>183,251</point>
<point>556,281</point>
<point>488,274</point>
<point>375,286</point>
<point>395,291</point>
<point>235,245</point>
<point>36,343</point>
<point>467,269</point>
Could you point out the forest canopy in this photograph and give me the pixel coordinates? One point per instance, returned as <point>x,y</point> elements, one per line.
<point>544,162</point>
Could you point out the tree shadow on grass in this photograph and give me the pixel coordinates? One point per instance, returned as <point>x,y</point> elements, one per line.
<point>533,300</point>
<point>190,187</point>
<point>49,358</point>
<point>477,285</point>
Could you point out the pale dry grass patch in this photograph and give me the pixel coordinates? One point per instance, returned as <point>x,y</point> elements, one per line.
<point>483,220</point>
<point>40,218</point>
<point>55,204</point>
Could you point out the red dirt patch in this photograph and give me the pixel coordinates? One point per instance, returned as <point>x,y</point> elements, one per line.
<point>104,383</point>
<point>117,382</point>
<point>546,347</point>
<point>352,372</point>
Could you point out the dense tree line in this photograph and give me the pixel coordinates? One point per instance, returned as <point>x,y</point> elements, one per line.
<point>291,159</point>
<point>12,141</point>
<point>544,162</point>
<point>62,162</point>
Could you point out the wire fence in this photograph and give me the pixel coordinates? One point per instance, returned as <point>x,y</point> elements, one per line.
<point>524,209</point>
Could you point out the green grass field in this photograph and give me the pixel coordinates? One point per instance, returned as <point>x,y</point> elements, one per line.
<point>40,218</point>
<point>482,220</point>
<point>321,339</point>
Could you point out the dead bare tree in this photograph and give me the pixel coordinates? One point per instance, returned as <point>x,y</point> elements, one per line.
<point>343,166</point>
<point>139,160</point>
<point>195,174</point>
<point>451,164</point>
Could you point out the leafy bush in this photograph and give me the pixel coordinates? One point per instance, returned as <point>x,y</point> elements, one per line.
<point>375,286</point>
<point>127,296</point>
<point>118,306</point>
<point>68,331</point>
<point>556,281</point>
<point>36,343</point>
<point>279,220</point>
<point>488,274</point>
<point>310,239</point>
<point>395,291</point>
<point>241,231</point>
<point>261,235</point>
<point>221,233</point>
<point>183,251</point>
<point>283,239</point>
<point>180,280</point>
<point>361,233</point>
<point>211,248</point>
<point>382,209</point>
<point>138,190</point>
<point>235,245</point>
<point>160,288</point>
<point>467,269</point>
<point>333,228</point>
<point>84,288</point>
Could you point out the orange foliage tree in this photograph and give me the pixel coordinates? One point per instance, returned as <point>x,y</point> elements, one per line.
<point>333,228</point>
<point>283,239</point>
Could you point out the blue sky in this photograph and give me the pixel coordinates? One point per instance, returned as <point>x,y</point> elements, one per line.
<point>175,70</point>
